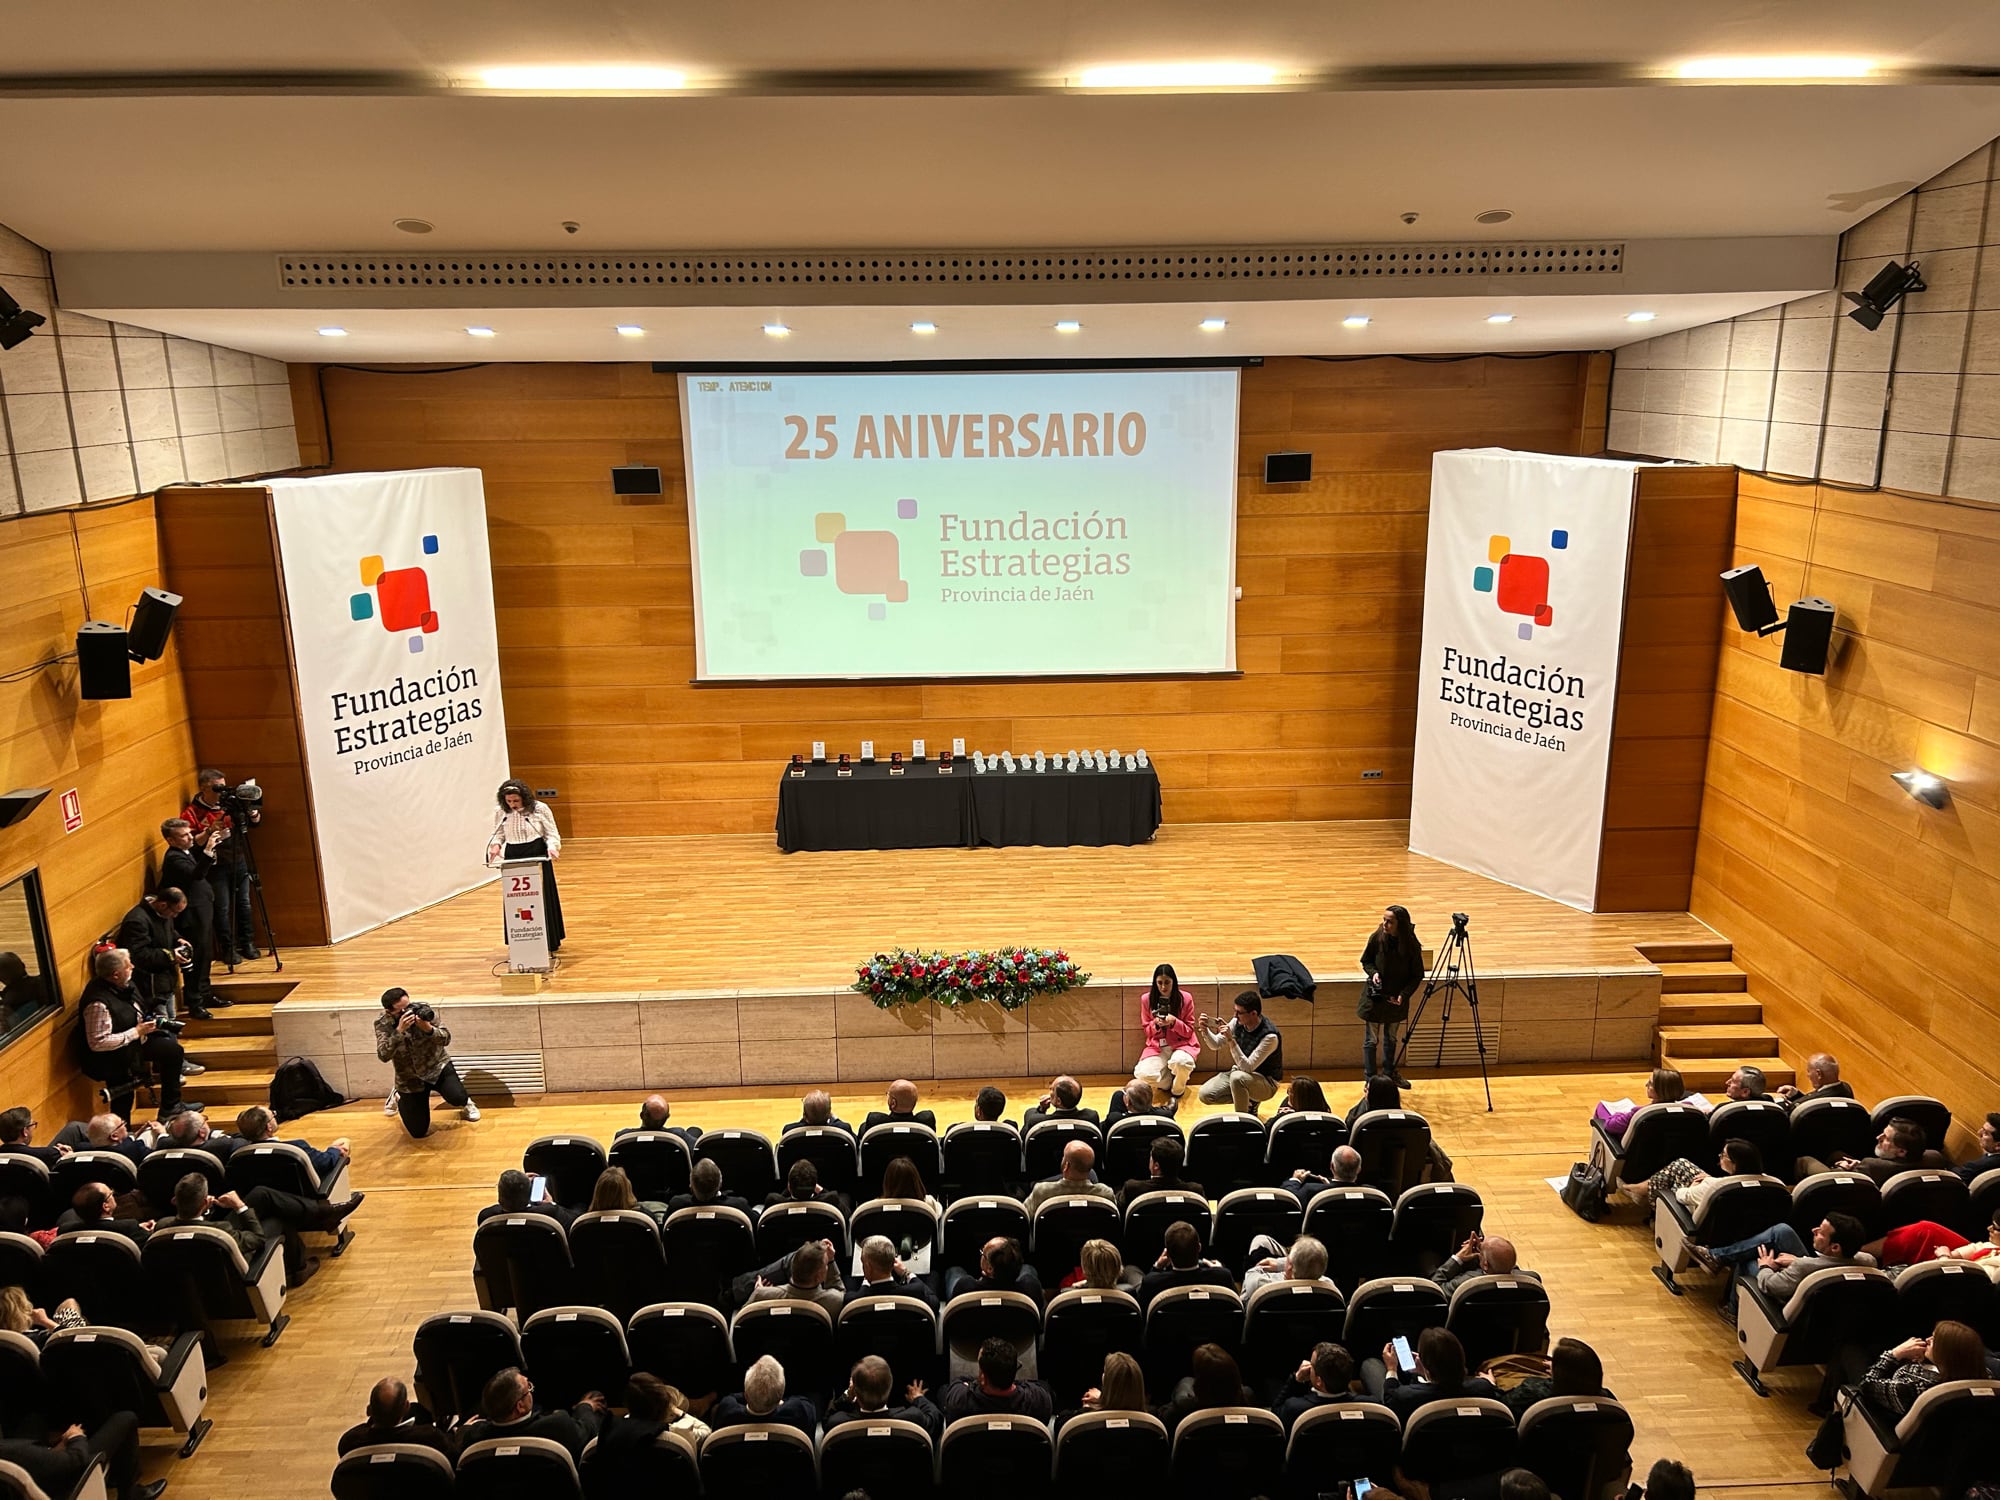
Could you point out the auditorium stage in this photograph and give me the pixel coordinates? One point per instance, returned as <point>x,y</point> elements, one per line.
<point>705,961</point>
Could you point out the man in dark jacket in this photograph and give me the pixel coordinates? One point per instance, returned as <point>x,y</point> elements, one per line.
<point>816,1108</point>
<point>764,1400</point>
<point>867,1399</point>
<point>902,1102</point>
<point>95,1206</point>
<point>1163,1166</point>
<point>1063,1101</point>
<point>17,1136</point>
<point>654,1112</point>
<point>122,1040</point>
<point>1181,1264</point>
<point>1321,1380</point>
<point>507,1410</point>
<point>148,933</point>
<point>186,866</point>
<point>57,1463</point>
<point>997,1392</point>
<point>1001,1269</point>
<point>512,1197</point>
<point>394,1418</point>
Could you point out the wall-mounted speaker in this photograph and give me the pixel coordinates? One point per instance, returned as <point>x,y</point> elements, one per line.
<point>16,805</point>
<point>1750,598</point>
<point>103,661</point>
<point>636,479</point>
<point>1287,468</point>
<point>152,619</point>
<point>1808,636</point>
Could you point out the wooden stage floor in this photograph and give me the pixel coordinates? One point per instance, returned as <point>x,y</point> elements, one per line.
<point>723,912</point>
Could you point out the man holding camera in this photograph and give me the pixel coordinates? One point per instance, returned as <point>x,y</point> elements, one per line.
<point>213,817</point>
<point>122,1040</point>
<point>409,1036</point>
<point>149,932</point>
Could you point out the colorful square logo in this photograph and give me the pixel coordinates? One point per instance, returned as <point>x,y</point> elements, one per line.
<point>401,599</point>
<point>1519,581</point>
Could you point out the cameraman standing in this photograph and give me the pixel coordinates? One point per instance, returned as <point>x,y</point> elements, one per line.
<point>409,1035</point>
<point>229,877</point>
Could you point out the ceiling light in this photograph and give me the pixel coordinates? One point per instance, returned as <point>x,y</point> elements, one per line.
<point>480,333</point>
<point>1925,787</point>
<point>1765,69</point>
<point>333,333</point>
<point>1069,325</point>
<point>1499,317</point>
<point>778,330</point>
<point>1198,75</point>
<point>1213,325</point>
<point>1494,216</point>
<point>1358,320</point>
<point>583,80</point>
<point>1640,317</point>
<point>630,331</point>
<point>415,226</point>
<point>923,325</point>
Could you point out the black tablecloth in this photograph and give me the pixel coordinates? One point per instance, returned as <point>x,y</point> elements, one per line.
<point>921,809</point>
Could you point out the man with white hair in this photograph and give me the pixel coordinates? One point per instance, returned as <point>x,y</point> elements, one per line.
<point>1074,1181</point>
<point>1823,1073</point>
<point>883,1274</point>
<point>122,1041</point>
<point>1343,1171</point>
<point>764,1400</point>
<point>1305,1261</point>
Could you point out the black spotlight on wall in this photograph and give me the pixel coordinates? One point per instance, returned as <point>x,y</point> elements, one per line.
<point>1885,289</point>
<point>1808,624</point>
<point>16,321</point>
<point>17,804</point>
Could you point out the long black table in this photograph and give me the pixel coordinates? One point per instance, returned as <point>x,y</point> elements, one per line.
<point>922,810</point>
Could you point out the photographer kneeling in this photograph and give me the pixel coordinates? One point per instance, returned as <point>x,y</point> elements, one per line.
<point>121,1040</point>
<point>409,1035</point>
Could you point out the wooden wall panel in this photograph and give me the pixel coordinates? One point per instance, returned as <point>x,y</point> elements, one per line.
<point>597,631</point>
<point>1866,920</point>
<point>131,760</point>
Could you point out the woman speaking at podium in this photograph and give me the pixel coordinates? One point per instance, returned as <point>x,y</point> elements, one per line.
<point>526,829</point>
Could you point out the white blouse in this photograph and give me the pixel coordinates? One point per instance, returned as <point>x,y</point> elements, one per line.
<point>510,827</point>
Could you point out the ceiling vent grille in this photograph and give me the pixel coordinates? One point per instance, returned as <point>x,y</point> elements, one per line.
<point>1294,265</point>
<point>502,1073</point>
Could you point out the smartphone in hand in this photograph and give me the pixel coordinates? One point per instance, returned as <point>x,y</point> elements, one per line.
<point>1406,1361</point>
<point>538,1192</point>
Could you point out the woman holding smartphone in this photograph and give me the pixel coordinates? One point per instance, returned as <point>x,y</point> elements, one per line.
<point>1394,964</point>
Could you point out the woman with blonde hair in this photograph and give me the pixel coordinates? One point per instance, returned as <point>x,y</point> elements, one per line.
<point>614,1192</point>
<point>18,1314</point>
<point>1122,1387</point>
<point>1100,1267</point>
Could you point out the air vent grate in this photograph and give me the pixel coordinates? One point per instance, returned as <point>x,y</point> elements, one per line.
<point>502,1073</point>
<point>1461,1045</point>
<point>1287,265</point>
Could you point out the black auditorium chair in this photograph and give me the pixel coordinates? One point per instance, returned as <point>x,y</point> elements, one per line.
<point>707,1247</point>
<point>1226,1152</point>
<point>971,1318</point>
<point>1180,1320</point>
<point>201,1278</point>
<point>571,1351</point>
<point>21,1264</point>
<point>1079,1327</point>
<point>161,1170</point>
<point>1983,1204</point>
<point>1734,1209</point>
<point>656,1161</point>
<point>1495,1315</point>
<point>1379,1310</point>
<point>892,1139</point>
<point>970,1222</point>
<point>667,1467</point>
<point>1939,1195</point>
<point>1062,1225</point>
<point>1360,1439</point>
<point>24,1177</point>
<point>617,1257</point>
<point>1353,1223</point>
<point>1098,1452</point>
<point>1128,1147</point>
<point>758,1458</point>
<point>391,1471</point>
<point>749,1164</point>
<point>456,1354</point>
<point>897,1220</point>
<point>276,1164</point>
<point>981,1156</point>
<point>1451,1442</point>
<point>901,1330</point>
<point>1939,1289</point>
<point>882,1456</point>
<point>1578,1447</point>
<point>1761,1122</point>
<point>1832,1308</point>
<point>1431,1221</point>
<point>1042,1148</point>
<point>796,1333</point>
<point>1227,1453</point>
<point>571,1163</point>
<point>995,1458</point>
<point>1244,1214</point>
<point>518,1468</point>
<point>1656,1135</point>
<point>783,1227</point>
<point>831,1151</point>
<point>1932,1116</point>
<point>1827,1129</point>
<point>93,1372</point>
<point>1395,1147</point>
<point>112,1168</point>
<point>1946,1440</point>
<point>1303,1139</point>
<point>1853,1193</point>
<point>102,1270</point>
<point>20,1371</point>
<point>1148,1216</point>
<point>686,1344</point>
<point>524,1261</point>
<point>1282,1320</point>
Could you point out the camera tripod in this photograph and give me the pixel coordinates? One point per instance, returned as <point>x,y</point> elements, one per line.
<point>1454,953</point>
<point>262,908</point>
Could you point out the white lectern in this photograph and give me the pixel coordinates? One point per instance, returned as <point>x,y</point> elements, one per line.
<point>521,904</point>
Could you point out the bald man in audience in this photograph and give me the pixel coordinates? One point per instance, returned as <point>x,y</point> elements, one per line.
<point>654,1113</point>
<point>1074,1181</point>
<point>902,1102</point>
<point>393,1418</point>
<point>1480,1255</point>
<point>1823,1073</point>
<point>1343,1170</point>
<point>109,1132</point>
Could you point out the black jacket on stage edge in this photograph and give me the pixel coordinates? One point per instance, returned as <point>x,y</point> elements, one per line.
<point>1279,974</point>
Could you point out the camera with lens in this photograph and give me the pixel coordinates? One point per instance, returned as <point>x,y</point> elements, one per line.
<point>1166,1005</point>
<point>242,801</point>
<point>421,1011</point>
<point>170,1027</point>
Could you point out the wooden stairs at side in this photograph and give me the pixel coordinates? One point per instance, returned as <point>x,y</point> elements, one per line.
<point>1709,1023</point>
<point>238,1047</point>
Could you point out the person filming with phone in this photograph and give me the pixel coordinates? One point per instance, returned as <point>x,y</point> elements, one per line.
<point>409,1036</point>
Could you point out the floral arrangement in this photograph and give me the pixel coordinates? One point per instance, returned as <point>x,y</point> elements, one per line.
<point>1009,977</point>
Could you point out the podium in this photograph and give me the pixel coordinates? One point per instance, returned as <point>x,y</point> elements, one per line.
<point>521,910</point>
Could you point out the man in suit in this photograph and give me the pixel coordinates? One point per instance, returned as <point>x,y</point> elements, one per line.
<point>1439,1376</point>
<point>1900,1147</point>
<point>1988,1159</point>
<point>1163,1166</point>
<point>259,1123</point>
<point>1823,1073</point>
<point>1181,1264</point>
<point>17,1134</point>
<point>817,1109</point>
<point>393,1418</point>
<point>764,1400</point>
<point>902,1102</point>
<point>511,1197</point>
<point>988,1105</point>
<point>95,1206</point>
<point>262,1213</point>
<point>866,1399</point>
<point>883,1274</point>
<point>654,1113</point>
<point>507,1410</point>
<point>1061,1102</point>
<point>58,1462</point>
<point>998,1391</point>
<point>1343,1170</point>
<point>1304,1261</point>
<point>705,1191</point>
<point>187,866</point>
<point>189,1131</point>
<point>107,1132</point>
<point>1480,1255</point>
<point>1135,1098</point>
<point>1747,1082</point>
<point>1001,1269</point>
<point>1076,1180</point>
<point>810,1273</point>
<point>149,933</point>
<point>1320,1380</point>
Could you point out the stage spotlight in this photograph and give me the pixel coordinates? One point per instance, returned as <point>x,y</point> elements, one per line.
<point>1925,787</point>
<point>1885,289</point>
<point>17,804</point>
<point>16,321</point>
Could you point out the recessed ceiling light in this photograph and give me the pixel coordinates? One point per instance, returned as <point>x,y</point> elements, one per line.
<point>1759,69</point>
<point>1213,325</point>
<point>1358,320</point>
<point>1196,75</point>
<point>415,226</point>
<point>631,331</point>
<point>923,325</point>
<point>616,79</point>
<point>1069,325</point>
<point>1494,216</point>
<point>480,333</point>
<point>1640,317</point>
<point>778,330</point>
<point>1499,317</point>
<point>333,333</point>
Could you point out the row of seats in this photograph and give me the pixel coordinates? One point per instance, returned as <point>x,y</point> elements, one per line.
<point>1224,1152</point>
<point>526,1261</point>
<point>48,1190</point>
<point>1580,1448</point>
<point>1823,1130</point>
<point>93,1373</point>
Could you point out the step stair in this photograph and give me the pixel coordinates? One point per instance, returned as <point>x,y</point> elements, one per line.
<point>1694,951</point>
<point>230,1051</point>
<point>1707,976</point>
<point>1731,1008</point>
<point>223,1091</point>
<point>1744,1041</point>
<point>238,1045</point>
<point>1707,1075</point>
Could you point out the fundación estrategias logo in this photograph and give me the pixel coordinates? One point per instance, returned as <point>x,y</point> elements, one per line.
<point>864,562</point>
<point>402,597</point>
<point>1519,581</point>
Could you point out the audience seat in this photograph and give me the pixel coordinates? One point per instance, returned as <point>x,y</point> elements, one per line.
<point>1911,1197</point>
<point>1941,1289</point>
<point>1305,1138</point>
<point>895,1138</point>
<point>707,1247</point>
<point>571,1351</point>
<point>881,1456</point>
<point>1380,1309</point>
<point>1455,1441</point>
<point>1244,1214</point>
<point>21,1264</point>
<point>901,1330</point>
<point>1042,1148</point>
<point>392,1471</point>
<point>1949,1438</point>
<point>112,1168</point>
<point>524,1261</point>
<point>831,1150</point>
<point>1282,1320</point>
<point>971,1318</point>
<point>1832,1308</point>
<point>1098,1452</point>
<point>1496,1315</point>
<point>101,1269</point>
<point>981,1157</point>
<point>1431,1221</point>
<point>1180,1320</point>
<point>618,1258</point>
<point>1227,1453</point>
<point>1395,1147</point>
<point>1813,1198</point>
<point>1828,1129</point>
<point>1735,1209</point>
<point>668,1467</point>
<point>456,1354</point>
<point>970,1222</point>
<point>783,1227</point>
<point>896,1220</point>
<point>1657,1134</point>
<point>1353,1223</point>
<point>797,1333</point>
<point>657,1163</point>
<point>518,1468</point>
<point>1081,1326</point>
<point>202,1278</point>
<point>571,1163</point>
<point>1148,1217</point>
<point>16,1484</point>
<point>20,1373</point>
<point>995,1458</point>
<point>24,1177</point>
<point>758,1458</point>
<point>1761,1122</point>
<point>1983,1206</point>
<point>1357,1439</point>
<point>92,1372</point>
<point>749,1164</point>
<point>686,1344</point>
<point>1226,1152</point>
<point>1932,1115</point>
<point>280,1165</point>
<point>1581,1448</point>
<point>162,1170</point>
<point>1128,1146</point>
<point>1060,1227</point>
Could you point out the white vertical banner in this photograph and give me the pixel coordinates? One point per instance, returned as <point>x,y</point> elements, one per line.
<point>389,592</point>
<point>1524,613</point>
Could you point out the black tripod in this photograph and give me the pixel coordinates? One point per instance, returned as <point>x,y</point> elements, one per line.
<point>1445,976</point>
<point>262,907</point>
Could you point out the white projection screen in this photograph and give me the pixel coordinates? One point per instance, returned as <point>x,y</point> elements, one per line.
<point>962,524</point>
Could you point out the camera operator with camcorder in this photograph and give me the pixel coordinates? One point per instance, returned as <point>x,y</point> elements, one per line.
<point>409,1035</point>
<point>222,816</point>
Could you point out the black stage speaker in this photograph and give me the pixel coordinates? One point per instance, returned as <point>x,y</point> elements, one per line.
<point>1287,468</point>
<point>1750,597</point>
<point>16,805</point>
<point>152,618</point>
<point>1808,636</point>
<point>103,665</point>
<point>635,479</point>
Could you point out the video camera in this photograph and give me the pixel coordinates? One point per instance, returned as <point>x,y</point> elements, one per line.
<point>242,801</point>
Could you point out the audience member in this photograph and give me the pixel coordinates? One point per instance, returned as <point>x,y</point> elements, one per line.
<point>1747,1083</point>
<point>1122,1387</point>
<point>1900,1147</point>
<point>613,1193</point>
<point>189,1130</point>
<point>989,1105</point>
<point>802,1185</point>
<point>816,1109</point>
<point>187,865</point>
<point>1823,1073</point>
<point>1663,1086</point>
<point>18,1314</point>
<point>95,1206</point>
<point>109,1132</point>
<point>1323,1378</point>
<point>1574,1370</point>
<point>1305,1261</point>
<point>1780,1259</point>
<point>1343,1170</point>
<point>1523,1484</point>
<point>1166,1016</point>
<point>17,1135</point>
<point>1440,1375</point>
<point>705,1190</point>
<point>149,933</point>
<point>810,1273</point>
<point>1163,1166</point>
<point>259,1123</point>
<point>901,1179</point>
<point>1076,1180</point>
<point>1253,1053</point>
<point>393,1418</point>
<point>1668,1480</point>
<point>250,1218</point>
<point>416,1043</point>
<point>507,1410</point>
<point>1303,1095</point>
<point>56,1459</point>
<point>883,1274</point>
<point>651,1408</point>
<point>654,1112</point>
<point>997,1392</point>
<point>1101,1268</point>
<point>122,1041</point>
<point>1892,1384</point>
<point>869,1386</point>
<point>1988,1159</point>
<point>764,1400</point>
<point>1181,1264</point>
<point>1001,1269</point>
<point>513,1195</point>
<point>1480,1255</point>
<point>1063,1101</point>
<point>1691,1185</point>
<point>902,1101</point>
<point>1134,1098</point>
<point>1380,1091</point>
<point>1215,1380</point>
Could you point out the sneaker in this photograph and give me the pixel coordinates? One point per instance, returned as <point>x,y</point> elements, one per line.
<point>389,1104</point>
<point>471,1110</point>
<point>192,1070</point>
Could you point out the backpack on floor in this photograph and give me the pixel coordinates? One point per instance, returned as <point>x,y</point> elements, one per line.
<point>299,1088</point>
<point>1584,1192</point>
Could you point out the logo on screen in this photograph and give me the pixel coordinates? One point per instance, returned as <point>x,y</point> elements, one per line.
<point>401,599</point>
<point>1519,581</point>
<point>524,913</point>
<point>863,562</point>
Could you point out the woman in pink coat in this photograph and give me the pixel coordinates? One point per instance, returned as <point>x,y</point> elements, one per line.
<point>1166,1012</point>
